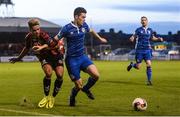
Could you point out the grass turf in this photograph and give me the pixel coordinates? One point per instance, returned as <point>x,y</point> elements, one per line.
<point>114,92</point>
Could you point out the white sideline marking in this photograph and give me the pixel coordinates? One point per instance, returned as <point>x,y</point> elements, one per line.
<point>22,112</point>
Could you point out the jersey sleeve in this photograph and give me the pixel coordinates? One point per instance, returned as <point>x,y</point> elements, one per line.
<point>62,33</point>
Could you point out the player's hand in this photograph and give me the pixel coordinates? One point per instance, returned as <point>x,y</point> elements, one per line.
<point>13,60</point>
<point>37,48</point>
<point>132,38</point>
<point>160,39</point>
<point>103,40</point>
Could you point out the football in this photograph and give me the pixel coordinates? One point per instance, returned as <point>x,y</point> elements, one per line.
<point>139,104</point>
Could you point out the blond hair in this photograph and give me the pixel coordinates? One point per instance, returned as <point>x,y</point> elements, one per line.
<point>33,22</point>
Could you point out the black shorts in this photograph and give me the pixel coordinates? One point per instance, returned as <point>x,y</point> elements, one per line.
<point>54,61</point>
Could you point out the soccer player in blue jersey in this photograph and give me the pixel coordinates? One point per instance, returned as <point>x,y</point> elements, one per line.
<point>143,35</point>
<point>76,60</point>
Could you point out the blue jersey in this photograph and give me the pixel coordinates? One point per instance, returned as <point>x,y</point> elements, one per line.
<point>144,36</point>
<point>74,37</point>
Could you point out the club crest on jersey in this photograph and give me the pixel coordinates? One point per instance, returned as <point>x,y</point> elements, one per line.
<point>71,33</point>
<point>148,31</point>
<point>83,29</point>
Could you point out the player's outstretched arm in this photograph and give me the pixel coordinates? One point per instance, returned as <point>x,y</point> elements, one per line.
<point>21,55</point>
<point>103,40</point>
<point>157,38</point>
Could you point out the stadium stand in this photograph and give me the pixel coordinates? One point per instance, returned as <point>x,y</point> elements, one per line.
<point>13,31</point>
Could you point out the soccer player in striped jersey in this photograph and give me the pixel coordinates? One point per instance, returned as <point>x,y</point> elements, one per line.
<point>50,59</point>
<point>143,35</point>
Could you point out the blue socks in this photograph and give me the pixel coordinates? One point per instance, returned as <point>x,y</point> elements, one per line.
<point>149,73</point>
<point>74,91</point>
<point>89,84</point>
<point>134,65</point>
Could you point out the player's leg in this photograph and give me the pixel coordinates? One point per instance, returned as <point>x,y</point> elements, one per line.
<point>57,65</point>
<point>148,67</point>
<point>94,76</point>
<point>74,91</point>
<point>47,79</point>
<point>46,83</point>
<point>148,72</point>
<point>88,66</point>
<point>133,65</point>
<point>59,70</point>
<point>137,65</point>
<point>73,68</point>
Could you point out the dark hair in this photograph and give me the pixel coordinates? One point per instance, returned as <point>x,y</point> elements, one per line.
<point>79,10</point>
<point>143,17</point>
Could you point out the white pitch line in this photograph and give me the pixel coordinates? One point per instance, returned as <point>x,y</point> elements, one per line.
<point>23,112</point>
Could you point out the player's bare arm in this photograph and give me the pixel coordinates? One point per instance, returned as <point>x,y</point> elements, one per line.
<point>157,38</point>
<point>97,36</point>
<point>21,55</point>
<point>40,47</point>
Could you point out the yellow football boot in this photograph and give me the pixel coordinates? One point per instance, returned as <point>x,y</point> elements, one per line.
<point>43,102</point>
<point>50,103</point>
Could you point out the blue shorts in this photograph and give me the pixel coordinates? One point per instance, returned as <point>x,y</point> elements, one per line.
<point>75,64</point>
<point>143,55</point>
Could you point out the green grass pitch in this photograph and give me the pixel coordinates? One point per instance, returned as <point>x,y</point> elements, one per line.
<point>114,92</point>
